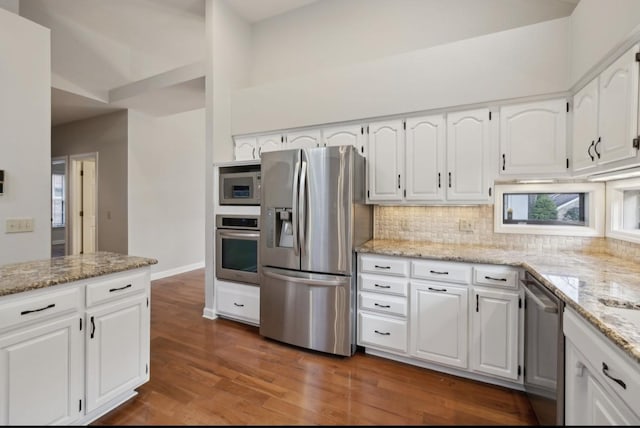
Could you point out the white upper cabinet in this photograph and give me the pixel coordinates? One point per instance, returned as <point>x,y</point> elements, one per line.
<point>269,143</point>
<point>468,155</point>
<point>425,157</point>
<point>302,140</point>
<point>385,160</point>
<point>605,121</point>
<point>618,121</point>
<point>245,148</point>
<point>344,135</point>
<point>585,126</point>
<point>533,138</point>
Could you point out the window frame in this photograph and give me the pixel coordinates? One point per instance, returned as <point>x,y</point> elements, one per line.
<point>594,212</point>
<point>615,200</point>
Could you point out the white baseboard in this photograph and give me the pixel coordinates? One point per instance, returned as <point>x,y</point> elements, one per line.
<point>209,314</point>
<point>176,271</point>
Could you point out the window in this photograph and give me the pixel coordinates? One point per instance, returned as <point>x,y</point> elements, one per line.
<point>574,209</point>
<point>623,202</point>
<point>57,200</point>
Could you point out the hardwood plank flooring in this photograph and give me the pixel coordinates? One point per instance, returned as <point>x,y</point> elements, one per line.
<point>220,372</point>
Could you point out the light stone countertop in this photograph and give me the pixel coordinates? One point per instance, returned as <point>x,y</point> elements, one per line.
<point>579,279</point>
<point>19,277</point>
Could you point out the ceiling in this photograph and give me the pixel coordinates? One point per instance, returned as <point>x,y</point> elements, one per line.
<point>257,10</point>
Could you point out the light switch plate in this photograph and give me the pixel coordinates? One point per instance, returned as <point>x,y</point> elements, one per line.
<point>19,225</point>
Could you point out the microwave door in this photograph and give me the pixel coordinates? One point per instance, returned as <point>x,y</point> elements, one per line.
<point>280,179</point>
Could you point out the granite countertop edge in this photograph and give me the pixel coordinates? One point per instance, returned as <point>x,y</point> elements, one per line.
<point>20,277</point>
<point>519,259</point>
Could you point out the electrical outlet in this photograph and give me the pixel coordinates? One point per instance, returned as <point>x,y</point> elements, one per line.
<point>465,225</point>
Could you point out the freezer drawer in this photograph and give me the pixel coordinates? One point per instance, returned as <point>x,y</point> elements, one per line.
<point>314,311</point>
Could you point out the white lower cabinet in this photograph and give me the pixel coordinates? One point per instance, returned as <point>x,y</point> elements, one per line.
<point>462,318</point>
<point>602,384</point>
<point>72,352</point>
<point>494,332</point>
<point>238,301</point>
<point>42,373</point>
<point>439,323</point>
<point>117,337</point>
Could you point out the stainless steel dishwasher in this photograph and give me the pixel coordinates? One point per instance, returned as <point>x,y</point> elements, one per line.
<point>544,352</point>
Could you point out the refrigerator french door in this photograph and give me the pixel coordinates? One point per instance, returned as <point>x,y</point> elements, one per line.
<point>311,201</point>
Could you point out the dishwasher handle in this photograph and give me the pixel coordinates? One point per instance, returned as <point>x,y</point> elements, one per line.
<point>529,287</point>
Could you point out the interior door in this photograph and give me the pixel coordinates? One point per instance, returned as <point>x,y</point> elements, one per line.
<point>325,210</point>
<point>88,207</point>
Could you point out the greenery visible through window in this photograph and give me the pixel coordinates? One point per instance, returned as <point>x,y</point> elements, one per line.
<point>57,200</point>
<point>557,209</point>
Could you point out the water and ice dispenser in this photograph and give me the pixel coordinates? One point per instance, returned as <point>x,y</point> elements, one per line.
<point>279,228</point>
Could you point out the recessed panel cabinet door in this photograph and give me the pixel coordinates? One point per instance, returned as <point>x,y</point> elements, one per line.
<point>344,136</point>
<point>41,374</point>
<point>468,151</point>
<point>439,323</point>
<point>385,155</point>
<point>533,138</point>
<point>117,337</point>
<point>269,143</point>
<point>425,146</point>
<point>618,121</point>
<point>494,338</point>
<point>585,127</point>
<point>245,148</point>
<point>302,140</point>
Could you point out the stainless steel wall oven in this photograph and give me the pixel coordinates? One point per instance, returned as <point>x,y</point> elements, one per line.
<point>237,248</point>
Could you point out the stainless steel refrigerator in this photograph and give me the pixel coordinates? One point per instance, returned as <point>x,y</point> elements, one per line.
<point>313,215</point>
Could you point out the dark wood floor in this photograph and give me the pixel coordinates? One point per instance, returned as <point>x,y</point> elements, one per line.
<point>220,372</point>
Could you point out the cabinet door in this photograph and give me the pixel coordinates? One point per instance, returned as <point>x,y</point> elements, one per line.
<point>302,140</point>
<point>245,148</point>
<point>494,337</point>
<point>385,154</point>
<point>344,136</point>
<point>585,127</point>
<point>269,143</point>
<point>601,408</point>
<point>468,151</point>
<point>117,338</point>
<point>424,158</point>
<point>618,121</point>
<point>42,374</point>
<point>439,323</point>
<point>533,138</point>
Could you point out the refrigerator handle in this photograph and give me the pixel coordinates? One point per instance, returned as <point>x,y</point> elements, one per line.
<point>294,208</point>
<point>333,282</point>
<point>302,204</point>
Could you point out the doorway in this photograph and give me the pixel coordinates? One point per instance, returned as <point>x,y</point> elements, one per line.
<point>83,197</point>
<point>59,174</point>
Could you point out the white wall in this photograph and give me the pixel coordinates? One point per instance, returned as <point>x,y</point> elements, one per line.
<point>25,122</point>
<point>335,33</point>
<point>228,62</point>
<point>166,190</point>
<point>597,27</point>
<point>525,61</point>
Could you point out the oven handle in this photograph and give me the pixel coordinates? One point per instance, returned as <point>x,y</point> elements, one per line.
<point>552,309</point>
<point>241,235</point>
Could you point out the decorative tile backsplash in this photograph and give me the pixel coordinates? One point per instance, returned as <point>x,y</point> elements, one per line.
<point>442,224</point>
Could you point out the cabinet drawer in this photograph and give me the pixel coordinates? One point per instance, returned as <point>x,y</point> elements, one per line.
<point>381,284</point>
<point>40,306</point>
<point>391,305</point>
<point>116,287</point>
<point>603,355</point>
<point>382,332</point>
<point>384,265</point>
<point>241,301</point>
<point>495,276</point>
<point>441,271</point>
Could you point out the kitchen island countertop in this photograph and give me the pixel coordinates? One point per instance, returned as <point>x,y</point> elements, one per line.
<point>19,277</point>
<point>583,280</point>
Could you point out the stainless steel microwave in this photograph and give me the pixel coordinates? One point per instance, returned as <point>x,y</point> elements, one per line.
<point>240,188</point>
